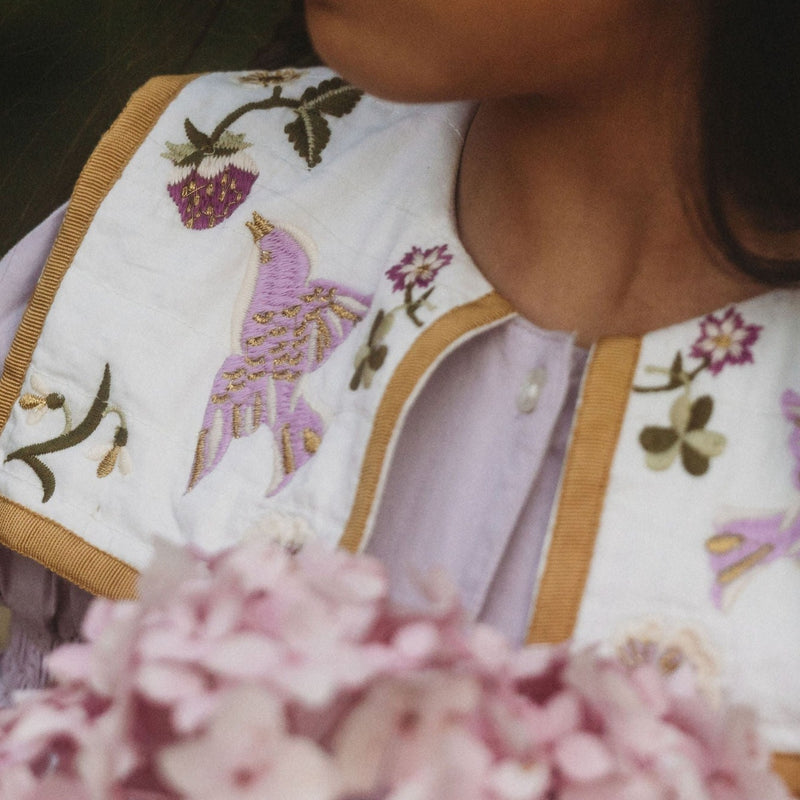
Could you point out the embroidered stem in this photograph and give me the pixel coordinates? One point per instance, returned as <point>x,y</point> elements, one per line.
<point>677,375</point>
<point>275,101</point>
<point>412,306</point>
<point>29,454</point>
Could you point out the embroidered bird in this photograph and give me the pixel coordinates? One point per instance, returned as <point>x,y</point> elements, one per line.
<point>742,545</point>
<point>285,327</point>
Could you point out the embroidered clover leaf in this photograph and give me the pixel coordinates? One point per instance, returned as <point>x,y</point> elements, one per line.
<point>371,355</point>
<point>686,435</point>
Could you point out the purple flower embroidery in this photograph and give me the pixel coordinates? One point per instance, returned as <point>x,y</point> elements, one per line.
<point>418,267</point>
<point>725,340</point>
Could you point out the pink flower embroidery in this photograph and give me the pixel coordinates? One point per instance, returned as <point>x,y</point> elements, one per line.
<point>725,340</point>
<point>418,267</point>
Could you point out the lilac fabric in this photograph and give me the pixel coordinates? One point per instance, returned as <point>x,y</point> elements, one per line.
<point>45,610</point>
<point>473,478</point>
<point>470,489</point>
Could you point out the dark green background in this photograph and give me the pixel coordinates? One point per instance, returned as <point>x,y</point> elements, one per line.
<point>68,66</point>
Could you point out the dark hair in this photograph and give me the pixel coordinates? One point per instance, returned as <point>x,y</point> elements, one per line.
<point>290,45</point>
<point>750,128</point>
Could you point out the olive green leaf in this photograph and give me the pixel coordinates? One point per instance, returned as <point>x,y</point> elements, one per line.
<point>686,436</point>
<point>309,134</point>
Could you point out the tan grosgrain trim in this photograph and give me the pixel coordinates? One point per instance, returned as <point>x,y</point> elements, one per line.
<point>23,530</point>
<point>62,551</point>
<point>787,765</point>
<point>101,172</point>
<point>431,343</point>
<point>605,395</point>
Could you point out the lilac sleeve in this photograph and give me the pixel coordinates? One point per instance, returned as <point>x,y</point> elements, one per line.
<point>45,609</point>
<point>19,271</point>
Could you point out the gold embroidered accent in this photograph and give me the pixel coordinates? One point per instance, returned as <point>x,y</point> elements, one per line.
<point>281,330</point>
<point>259,226</point>
<point>257,410</point>
<point>344,313</point>
<point>237,421</point>
<point>288,455</point>
<point>255,362</point>
<point>265,256</point>
<point>31,401</point>
<point>199,458</point>
<point>740,567</point>
<point>724,543</point>
<point>287,360</point>
<point>286,375</point>
<point>232,376</point>
<point>256,376</point>
<point>219,399</point>
<point>255,341</point>
<point>263,317</point>
<point>291,312</point>
<point>323,332</point>
<point>319,294</point>
<point>311,441</point>
<point>279,347</point>
<point>235,386</point>
<point>108,462</point>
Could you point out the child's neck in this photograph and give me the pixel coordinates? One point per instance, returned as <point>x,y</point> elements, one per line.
<point>579,216</point>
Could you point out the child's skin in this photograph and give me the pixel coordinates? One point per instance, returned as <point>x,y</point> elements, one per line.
<point>575,190</point>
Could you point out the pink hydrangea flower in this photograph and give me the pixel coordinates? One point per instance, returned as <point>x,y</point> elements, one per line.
<point>258,674</point>
<point>725,340</point>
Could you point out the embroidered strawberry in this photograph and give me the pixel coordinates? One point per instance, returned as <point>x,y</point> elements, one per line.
<point>211,177</point>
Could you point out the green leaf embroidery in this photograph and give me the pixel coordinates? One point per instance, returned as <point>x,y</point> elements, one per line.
<point>30,454</point>
<point>309,134</point>
<point>333,96</point>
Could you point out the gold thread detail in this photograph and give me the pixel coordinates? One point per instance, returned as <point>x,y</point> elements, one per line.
<point>237,422</point>
<point>724,542</point>
<point>740,567</point>
<point>607,387</point>
<point>199,458</point>
<point>417,361</point>
<point>286,375</point>
<point>257,410</point>
<point>311,441</point>
<point>288,455</point>
<point>259,226</point>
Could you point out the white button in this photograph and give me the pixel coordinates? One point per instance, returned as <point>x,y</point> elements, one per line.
<point>528,397</point>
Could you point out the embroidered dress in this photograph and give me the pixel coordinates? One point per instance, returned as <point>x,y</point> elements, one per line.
<point>224,397</point>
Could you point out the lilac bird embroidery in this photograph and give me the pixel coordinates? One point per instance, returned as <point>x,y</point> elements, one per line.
<point>738,547</point>
<point>290,328</point>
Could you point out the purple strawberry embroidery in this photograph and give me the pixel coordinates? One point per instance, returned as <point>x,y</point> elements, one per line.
<point>213,174</point>
<point>290,327</point>
<point>210,180</point>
